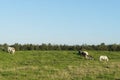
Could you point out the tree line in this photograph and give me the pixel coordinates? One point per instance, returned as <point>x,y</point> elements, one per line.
<point>43,46</point>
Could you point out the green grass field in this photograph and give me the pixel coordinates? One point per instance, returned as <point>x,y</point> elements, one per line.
<point>58,65</point>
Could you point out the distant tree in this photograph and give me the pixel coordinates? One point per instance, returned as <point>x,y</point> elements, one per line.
<point>65,47</point>
<point>44,46</point>
<point>50,46</point>
<point>36,47</point>
<point>56,47</point>
<point>5,46</point>
<point>16,46</point>
<point>114,47</point>
<point>118,47</point>
<point>102,46</point>
<point>31,47</point>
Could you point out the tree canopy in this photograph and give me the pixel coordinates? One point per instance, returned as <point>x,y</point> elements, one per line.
<point>43,46</point>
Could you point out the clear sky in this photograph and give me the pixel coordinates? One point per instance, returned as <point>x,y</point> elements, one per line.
<point>60,21</point>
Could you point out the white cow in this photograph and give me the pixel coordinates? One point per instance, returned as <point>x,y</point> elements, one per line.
<point>11,50</point>
<point>103,58</point>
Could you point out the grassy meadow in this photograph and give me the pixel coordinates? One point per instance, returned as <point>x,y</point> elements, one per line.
<point>58,65</point>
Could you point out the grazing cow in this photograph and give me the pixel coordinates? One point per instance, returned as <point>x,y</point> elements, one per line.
<point>11,50</point>
<point>103,58</point>
<point>83,53</point>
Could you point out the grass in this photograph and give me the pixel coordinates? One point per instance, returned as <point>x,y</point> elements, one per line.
<point>58,65</point>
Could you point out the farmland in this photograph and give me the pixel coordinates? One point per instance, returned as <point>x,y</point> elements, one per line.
<point>58,65</point>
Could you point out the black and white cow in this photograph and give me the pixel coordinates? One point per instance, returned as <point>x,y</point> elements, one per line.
<point>83,53</point>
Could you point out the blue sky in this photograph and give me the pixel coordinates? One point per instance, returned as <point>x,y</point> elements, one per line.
<point>60,21</point>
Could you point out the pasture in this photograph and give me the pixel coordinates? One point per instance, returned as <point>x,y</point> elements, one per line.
<point>58,65</point>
